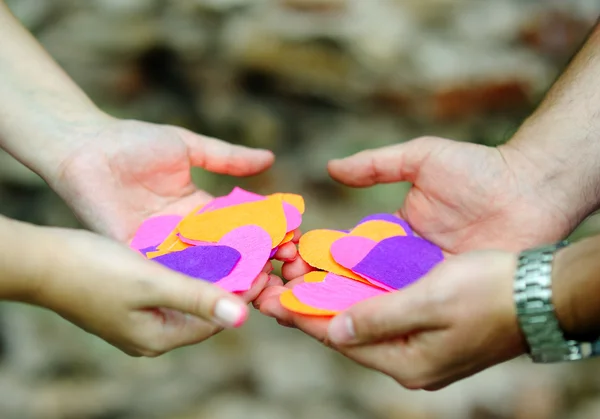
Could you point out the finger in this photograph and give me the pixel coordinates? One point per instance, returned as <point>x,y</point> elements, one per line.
<point>297,235</point>
<point>272,292</point>
<point>314,326</point>
<point>385,317</point>
<point>268,268</point>
<point>395,163</point>
<point>286,253</point>
<point>180,329</point>
<point>268,302</point>
<point>221,157</point>
<point>273,284</point>
<point>274,281</point>
<point>196,297</point>
<point>297,268</point>
<point>257,287</point>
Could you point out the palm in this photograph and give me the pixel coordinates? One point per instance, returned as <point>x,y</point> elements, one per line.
<point>132,170</point>
<point>466,197</point>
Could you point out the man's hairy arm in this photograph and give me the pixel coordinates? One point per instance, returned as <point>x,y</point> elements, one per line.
<point>561,139</point>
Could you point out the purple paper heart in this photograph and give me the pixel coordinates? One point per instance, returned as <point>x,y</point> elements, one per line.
<point>209,263</point>
<point>399,261</point>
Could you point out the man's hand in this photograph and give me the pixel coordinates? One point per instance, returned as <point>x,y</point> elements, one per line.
<point>122,172</point>
<point>456,321</point>
<point>465,196</point>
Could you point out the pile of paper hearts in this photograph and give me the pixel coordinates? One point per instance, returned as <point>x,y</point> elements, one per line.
<point>381,254</point>
<point>228,241</point>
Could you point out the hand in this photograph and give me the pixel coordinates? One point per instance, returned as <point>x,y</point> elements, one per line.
<point>466,196</point>
<point>115,173</point>
<point>463,196</point>
<point>456,321</point>
<point>138,306</point>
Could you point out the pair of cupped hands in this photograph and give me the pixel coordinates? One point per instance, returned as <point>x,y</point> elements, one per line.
<point>453,323</point>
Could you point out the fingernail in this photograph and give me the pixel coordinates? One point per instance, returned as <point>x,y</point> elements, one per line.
<point>341,330</point>
<point>229,314</point>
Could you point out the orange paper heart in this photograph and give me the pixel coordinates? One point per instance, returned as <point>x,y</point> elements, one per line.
<point>212,226</point>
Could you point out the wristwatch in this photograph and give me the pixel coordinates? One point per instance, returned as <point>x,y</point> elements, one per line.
<point>535,310</point>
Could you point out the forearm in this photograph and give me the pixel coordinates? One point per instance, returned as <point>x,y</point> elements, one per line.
<point>25,254</point>
<point>576,288</point>
<point>40,106</point>
<point>560,142</point>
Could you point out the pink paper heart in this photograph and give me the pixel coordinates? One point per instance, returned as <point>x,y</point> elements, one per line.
<point>153,231</point>
<point>254,244</point>
<point>335,293</point>
<point>292,216</point>
<point>235,197</point>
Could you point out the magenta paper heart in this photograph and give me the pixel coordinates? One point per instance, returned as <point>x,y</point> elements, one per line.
<point>235,197</point>
<point>254,244</point>
<point>334,293</point>
<point>153,231</point>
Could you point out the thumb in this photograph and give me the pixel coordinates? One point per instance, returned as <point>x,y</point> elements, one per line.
<point>396,163</point>
<point>382,318</point>
<point>224,158</point>
<point>198,298</point>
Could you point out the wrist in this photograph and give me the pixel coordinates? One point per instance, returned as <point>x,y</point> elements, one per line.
<point>59,138</point>
<point>23,260</point>
<point>560,180</point>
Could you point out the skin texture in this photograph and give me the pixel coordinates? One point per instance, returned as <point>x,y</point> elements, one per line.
<point>113,174</point>
<point>459,319</point>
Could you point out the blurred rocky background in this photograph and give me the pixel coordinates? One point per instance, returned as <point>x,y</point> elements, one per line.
<point>311,80</point>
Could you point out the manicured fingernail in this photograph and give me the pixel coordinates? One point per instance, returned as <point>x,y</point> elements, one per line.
<point>341,330</point>
<point>229,314</point>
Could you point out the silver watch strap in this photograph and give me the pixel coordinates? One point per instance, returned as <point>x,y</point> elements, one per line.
<point>535,310</point>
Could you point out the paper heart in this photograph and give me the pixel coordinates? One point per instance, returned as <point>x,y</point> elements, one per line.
<point>289,301</point>
<point>209,263</point>
<point>153,231</point>
<point>399,261</point>
<point>254,245</point>
<point>235,197</point>
<point>240,196</point>
<point>314,249</point>
<point>171,244</point>
<point>349,251</point>
<point>377,230</point>
<point>295,200</point>
<point>333,292</point>
<point>391,218</point>
<point>314,246</point>
<point>213,225</point>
